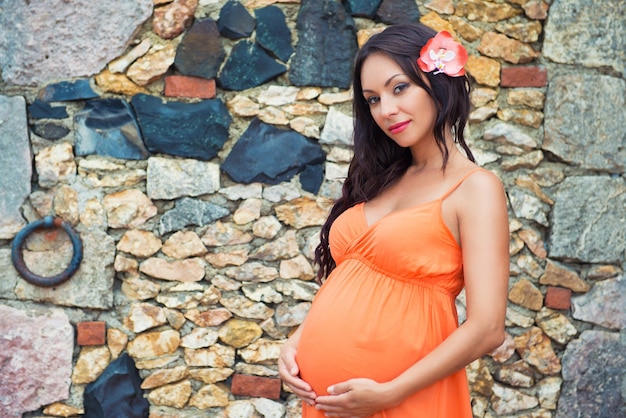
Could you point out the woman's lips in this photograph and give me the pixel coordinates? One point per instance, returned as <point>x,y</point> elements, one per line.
<point>398,127</point>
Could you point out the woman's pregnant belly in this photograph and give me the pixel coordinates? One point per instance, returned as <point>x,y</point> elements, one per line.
<point>364,324</point>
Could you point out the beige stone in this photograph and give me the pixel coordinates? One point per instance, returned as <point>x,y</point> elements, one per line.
<point>55,164</point>
<point>557,274</point>
<point>434,21</point>
<point>526,117</point>
<point>143,316</point>
<point>239,333</point>
<point>262,351</point>
<point>529,183</point>
<point>273,116</point>
<point>199,338</point>
<point>139,243</point>
<point>184,244</point>
<point>128,208</point>
<point>535,348</point>
<point>524,32</point>
<point>219,234</point>
<point>58,409</point>
<point>209,396</point>
<point>481,96</point>
<point>136,288</point>
<point>296,268</point>
<point>212,375</point>
<point>222,259</point>
<point>525,294</point>
<point>305,108</point>
<point>153,65</point>
<point>208,318</point>
<point>534,242</point>
<point>505,351</point>
<point>91,362</point>
<point>308,93</point>
<point>526,97</point>
<point>496,45</point>
<point>556,325</point>
<point>467,31</point>
<point>156,363</point>
<point>485,11</point>
<point>117,341</point>
<point>440,6</point>
<point>118,84</point>
<point>215,356</point>
<point>303,212</point>
<point>248,211</point>
<point>188,270</point>
<point>485,71</point>
<point>175,395</point>
<point>306,126</point>
<point>164,376</point>
<point>154,344</point>
<point>243,106</point>
<point>329,99</point>
<point>479,378</point>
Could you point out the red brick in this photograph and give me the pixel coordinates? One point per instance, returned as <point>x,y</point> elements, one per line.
<point>558,298</point>
<point>523,76</point>
<point>186,86</point>
<point>91,333</point>
<point>255,386</point>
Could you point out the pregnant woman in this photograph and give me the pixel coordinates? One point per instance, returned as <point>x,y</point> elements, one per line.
<point>417,222</point>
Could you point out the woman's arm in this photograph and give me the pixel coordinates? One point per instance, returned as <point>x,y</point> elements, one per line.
<point>484,235</point>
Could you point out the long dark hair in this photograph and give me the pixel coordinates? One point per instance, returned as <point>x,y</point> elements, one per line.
<point>378,161</point>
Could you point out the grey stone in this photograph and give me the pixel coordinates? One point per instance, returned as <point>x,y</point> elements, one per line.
<point>588,221</point>
<point>337,128</point>
<point>54,41</point>
<point>170,178</point>
<point>326,45</point>
<point>90,287</point>
<point>528,206</point>
<point>585,32</point>
<point>190,212</point>
<point>593,373</point>
<point>15,164</point>
<point>108,127</point>
<point>35,360</point>
<point>584,121</point>
<point>604,304</point>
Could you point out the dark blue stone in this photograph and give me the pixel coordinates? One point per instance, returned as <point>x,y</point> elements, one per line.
<point>195,130</point>
<point>393,12</point>
<point>362,8</point>
<point>312,177</point>
<point>200,52</point>
<point>235,22</point>
<point>67,91</point>
<point>116,392</point>
<point>326,45</point>
<point>43,110</point>
<point>190,212</point>
<point>270,155</point>
<point>108,127</point>
<point>248,66</point>
<point>50,130</point>
<point>272,32</point>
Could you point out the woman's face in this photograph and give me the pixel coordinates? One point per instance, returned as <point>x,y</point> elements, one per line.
<point>400,107</point>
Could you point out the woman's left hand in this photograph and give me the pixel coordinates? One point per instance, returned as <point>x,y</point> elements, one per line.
<point>356,398</point>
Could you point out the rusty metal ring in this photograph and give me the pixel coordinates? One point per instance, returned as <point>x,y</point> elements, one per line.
<point>17,252</point>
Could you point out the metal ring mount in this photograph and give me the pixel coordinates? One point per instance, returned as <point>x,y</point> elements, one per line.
<point>17,252</point>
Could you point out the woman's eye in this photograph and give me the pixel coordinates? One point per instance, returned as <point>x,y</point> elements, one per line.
<point>372,100</point>
<point>400,87</point>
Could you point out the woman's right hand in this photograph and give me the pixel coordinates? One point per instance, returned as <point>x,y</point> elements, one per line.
<point>290,374</point>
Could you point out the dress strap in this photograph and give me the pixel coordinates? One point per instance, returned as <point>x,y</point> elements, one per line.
<point>460,181</point>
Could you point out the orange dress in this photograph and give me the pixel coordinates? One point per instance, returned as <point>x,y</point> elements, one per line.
<point>388,303</point>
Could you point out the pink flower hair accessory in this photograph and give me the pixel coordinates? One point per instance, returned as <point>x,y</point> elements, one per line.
<point>442,54</point>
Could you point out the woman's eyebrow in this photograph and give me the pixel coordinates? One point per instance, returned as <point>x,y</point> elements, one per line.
<point>386,82</point>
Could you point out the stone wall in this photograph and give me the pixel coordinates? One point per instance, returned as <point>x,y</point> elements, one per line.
<point>195,147</point>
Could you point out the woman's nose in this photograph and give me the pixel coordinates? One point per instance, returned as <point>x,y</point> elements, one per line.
<point>388,107</point>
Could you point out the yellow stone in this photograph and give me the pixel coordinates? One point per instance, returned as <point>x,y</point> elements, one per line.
<point>484,70</point>
<point>434,21</point>
<point>525,294</point>
<point>118,83</point>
